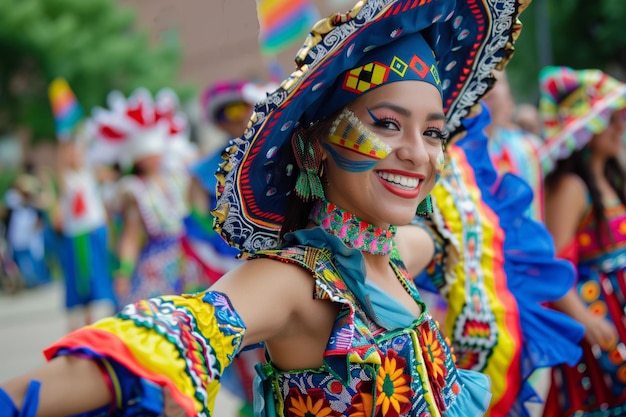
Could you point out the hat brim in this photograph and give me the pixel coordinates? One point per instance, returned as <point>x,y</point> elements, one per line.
<point>469,39</point>
<point>578,133</point>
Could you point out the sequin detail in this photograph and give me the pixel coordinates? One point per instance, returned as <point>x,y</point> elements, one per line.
<point>354,232</point>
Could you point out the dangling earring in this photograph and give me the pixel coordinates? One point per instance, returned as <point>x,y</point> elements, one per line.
<point>309,159</point>
<point>425,208</point>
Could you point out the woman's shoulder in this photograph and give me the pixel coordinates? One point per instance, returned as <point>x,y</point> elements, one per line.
<point>567,202</point>
<point>571,188</point>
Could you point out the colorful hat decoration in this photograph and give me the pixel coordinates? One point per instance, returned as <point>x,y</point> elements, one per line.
<point>137,126</point>
<point>66,110</point>
<point>575,105</point>
<point>468,38</point>
<point>222,93</point>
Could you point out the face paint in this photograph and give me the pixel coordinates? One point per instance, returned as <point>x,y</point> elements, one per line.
<point>441,161</point>
<point>349,133</point>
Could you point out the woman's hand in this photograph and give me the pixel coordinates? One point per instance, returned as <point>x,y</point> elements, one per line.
<point>599,331</point>
<point>121,286</point>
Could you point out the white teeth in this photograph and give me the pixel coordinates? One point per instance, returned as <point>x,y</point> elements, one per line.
<point>407,182</point>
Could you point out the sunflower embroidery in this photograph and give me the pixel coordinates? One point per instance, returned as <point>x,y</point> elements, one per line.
<point>312,404</point>
<point>435,356</point>
<point>363,401</point>
<point>392,386</point>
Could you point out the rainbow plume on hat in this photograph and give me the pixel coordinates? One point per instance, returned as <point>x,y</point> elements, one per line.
<point>284,22</point>
<point>65,108</point>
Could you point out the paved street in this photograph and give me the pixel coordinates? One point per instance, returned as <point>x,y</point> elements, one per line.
<point>32,320</point>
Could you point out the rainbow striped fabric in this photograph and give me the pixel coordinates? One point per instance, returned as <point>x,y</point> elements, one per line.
<point>65,108</point>
<point>284,22</point>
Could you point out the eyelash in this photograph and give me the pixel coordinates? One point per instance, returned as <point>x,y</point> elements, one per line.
<point>442,135</point>
<point>385,121</point>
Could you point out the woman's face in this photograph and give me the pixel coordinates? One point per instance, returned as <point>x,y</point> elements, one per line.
<point>610,142</point>
<point>149,164</point>
<point>384,171</point>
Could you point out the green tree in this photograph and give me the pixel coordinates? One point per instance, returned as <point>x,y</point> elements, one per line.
<point>91,43</point>
<point>581,34</point>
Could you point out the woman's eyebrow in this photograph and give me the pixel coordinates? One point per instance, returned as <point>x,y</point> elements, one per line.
<point>398,109</point>
<point>435,116</point>
<point>406,112</point>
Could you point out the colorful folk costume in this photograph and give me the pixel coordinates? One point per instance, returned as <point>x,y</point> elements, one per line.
<point>575,106</point>
<point>515,150</point>
<point>134,129</point>
<point>379,360</point>
<point>84,254</point>
<point>492,258</point>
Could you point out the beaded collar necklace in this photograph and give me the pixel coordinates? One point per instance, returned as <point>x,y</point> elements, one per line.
<point>354,232</point>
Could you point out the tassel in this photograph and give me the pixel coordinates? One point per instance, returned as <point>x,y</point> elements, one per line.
<point>309,159</point>
<point>425,208</point>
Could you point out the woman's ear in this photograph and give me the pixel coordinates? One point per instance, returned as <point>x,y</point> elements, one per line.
<point>324,152</point>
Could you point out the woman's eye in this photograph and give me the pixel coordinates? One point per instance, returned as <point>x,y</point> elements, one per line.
<point>387,124</point>
<point>436,134</point>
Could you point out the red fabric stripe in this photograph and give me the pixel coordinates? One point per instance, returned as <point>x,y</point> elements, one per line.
<point>109,345</point>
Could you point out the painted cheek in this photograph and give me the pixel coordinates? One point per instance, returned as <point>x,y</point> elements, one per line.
<point>348,132</point>
<point>348,164</point>
<point>440,161</point>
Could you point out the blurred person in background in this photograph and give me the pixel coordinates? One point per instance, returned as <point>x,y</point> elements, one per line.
<point>25,230</point>
<point>80,217</point>
<point>582,113</point>
<point>512,148</point>
<point>140,131</point>
<point>526,116</point>
<point>227,105</point>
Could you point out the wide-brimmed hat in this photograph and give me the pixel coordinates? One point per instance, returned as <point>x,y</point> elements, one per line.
<point>138,126</point>
<point>221,94</point>
<point>468,40</point>
<point>574,105</point>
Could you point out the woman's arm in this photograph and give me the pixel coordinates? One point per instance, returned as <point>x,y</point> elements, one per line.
<point>565,206</point>
<point>162,340</point>
<point>75,385</point>
<point>129,244</point>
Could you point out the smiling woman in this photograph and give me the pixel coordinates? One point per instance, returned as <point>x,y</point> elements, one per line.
<point>355,138</point>
<point>408,132</point>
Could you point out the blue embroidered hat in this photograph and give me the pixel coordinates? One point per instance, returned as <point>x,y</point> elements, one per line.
<point>451,44</point>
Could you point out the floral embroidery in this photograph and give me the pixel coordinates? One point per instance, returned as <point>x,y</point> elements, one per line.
<point>312,404</point>
<point>436,355</point>
<point>363,401</point>
<point>393,386</point>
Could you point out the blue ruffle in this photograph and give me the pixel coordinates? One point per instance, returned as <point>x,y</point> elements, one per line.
<point>474,398</point>
<point>534,276</point>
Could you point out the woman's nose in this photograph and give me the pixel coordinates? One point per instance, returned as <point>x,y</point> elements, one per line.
<point>414,149</point>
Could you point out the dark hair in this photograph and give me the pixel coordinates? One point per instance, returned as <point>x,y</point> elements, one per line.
<point>578,164</point>
<point>297,213</point>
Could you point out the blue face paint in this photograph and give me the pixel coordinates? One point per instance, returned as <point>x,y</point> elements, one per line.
<point>374,118</point>
<point>349,133</point>
<point>347,164</point>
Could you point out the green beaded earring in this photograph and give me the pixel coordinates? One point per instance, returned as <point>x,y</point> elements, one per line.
<point>425,208</point>
<point>309,160</point>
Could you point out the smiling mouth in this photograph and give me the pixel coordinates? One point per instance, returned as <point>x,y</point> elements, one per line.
<point>400,181</point>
